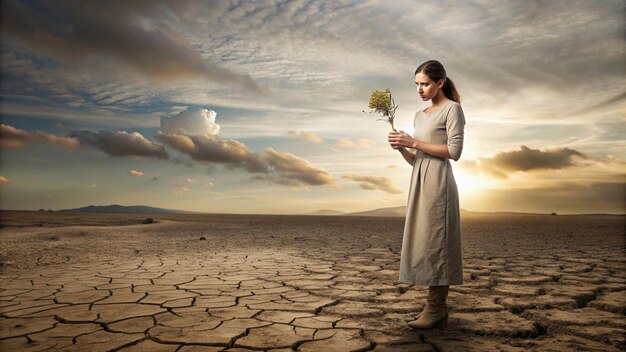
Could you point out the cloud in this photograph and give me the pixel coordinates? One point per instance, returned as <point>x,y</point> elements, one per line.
<point>207,147</point>
<point>281,45</point>
<point>66,142</point>
<point>201,121</point>
<point>91,185</point>
<point>204,145</point>
<point>133,35</point>
<point>3,179</point>
<point>374,183</point>
<point>119,143</point>
<point>347,143</point>
<point>277,167</point>
<point>290,169</point>
<point>307,136</point>
<point>11,137</point>
<point>525,159</point>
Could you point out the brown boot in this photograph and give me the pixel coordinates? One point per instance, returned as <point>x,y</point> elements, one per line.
<point>423,309</point>
<point>420,313</point>
<point>435,314</point>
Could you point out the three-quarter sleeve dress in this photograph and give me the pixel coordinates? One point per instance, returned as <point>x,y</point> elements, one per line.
<point>431,245</point>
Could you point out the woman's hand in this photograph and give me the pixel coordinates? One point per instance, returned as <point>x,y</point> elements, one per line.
<point>401,139</point>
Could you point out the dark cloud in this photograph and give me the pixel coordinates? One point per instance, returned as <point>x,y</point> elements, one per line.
<point>275,166</point>
<point>134,34</point>
<point>209,148</point>
<point>119,143</point>
<point>288,166</point>
<point>525,159</point>
<point>270,165</point>
<point>374,183</point>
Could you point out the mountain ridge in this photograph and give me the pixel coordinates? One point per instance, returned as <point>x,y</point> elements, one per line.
<point>398,211</point>
<point>127,209</point>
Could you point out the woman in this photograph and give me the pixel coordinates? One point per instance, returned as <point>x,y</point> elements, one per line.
<point>431,246</point>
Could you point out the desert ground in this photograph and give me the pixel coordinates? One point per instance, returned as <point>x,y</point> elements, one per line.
<point>223,282</point>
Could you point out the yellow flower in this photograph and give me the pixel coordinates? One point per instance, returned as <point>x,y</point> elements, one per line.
<point>382,102</point>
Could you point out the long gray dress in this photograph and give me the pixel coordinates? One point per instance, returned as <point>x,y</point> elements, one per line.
<point>431,246</point>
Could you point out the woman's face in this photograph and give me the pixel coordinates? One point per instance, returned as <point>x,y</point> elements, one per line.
<point>427,88</point>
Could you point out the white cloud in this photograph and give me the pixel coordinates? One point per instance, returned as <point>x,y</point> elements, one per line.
<point>307,136</point>
<point>191,122</point>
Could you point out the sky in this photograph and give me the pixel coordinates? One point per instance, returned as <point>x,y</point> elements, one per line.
<point>257,106</point>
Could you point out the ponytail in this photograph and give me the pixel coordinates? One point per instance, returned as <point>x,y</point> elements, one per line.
<point>449,89</point>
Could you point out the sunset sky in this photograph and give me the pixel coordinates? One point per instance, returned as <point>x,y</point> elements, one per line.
<point>113,104</point>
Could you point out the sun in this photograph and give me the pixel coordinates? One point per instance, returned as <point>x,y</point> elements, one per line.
<point>467,182</point>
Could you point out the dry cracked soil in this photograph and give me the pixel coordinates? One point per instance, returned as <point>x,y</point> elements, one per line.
<point>223,282</point>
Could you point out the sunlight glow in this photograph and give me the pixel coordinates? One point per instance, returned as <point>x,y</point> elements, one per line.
<point>466,181</point>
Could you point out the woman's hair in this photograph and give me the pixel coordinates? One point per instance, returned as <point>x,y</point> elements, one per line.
<point>435,70</point>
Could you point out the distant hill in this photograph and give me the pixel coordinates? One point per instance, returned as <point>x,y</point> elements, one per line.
<point>393,211</point>
<point>401,211</point>
<point>327,212</point>
<point>131,209</point>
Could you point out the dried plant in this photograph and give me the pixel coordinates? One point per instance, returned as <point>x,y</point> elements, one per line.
<point>382,102</point>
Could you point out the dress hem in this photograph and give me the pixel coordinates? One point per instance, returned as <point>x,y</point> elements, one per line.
<point>423,283</point>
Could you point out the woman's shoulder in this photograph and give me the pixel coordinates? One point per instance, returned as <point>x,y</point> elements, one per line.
<point>455,112</point>
<point>455,106</point>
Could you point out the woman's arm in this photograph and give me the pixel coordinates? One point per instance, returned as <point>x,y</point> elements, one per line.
<point>394,140</point>
<point>401,140</point>
<point>438,150</point>
<point>408,156</point>
<point>455,128</point>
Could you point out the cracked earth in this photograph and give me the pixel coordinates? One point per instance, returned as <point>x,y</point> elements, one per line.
<point>106,282</point>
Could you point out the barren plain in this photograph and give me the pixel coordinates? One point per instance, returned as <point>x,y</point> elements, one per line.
<point>223,282</point>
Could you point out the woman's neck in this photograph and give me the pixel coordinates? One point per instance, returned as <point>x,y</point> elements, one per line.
<point>439,99</point>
